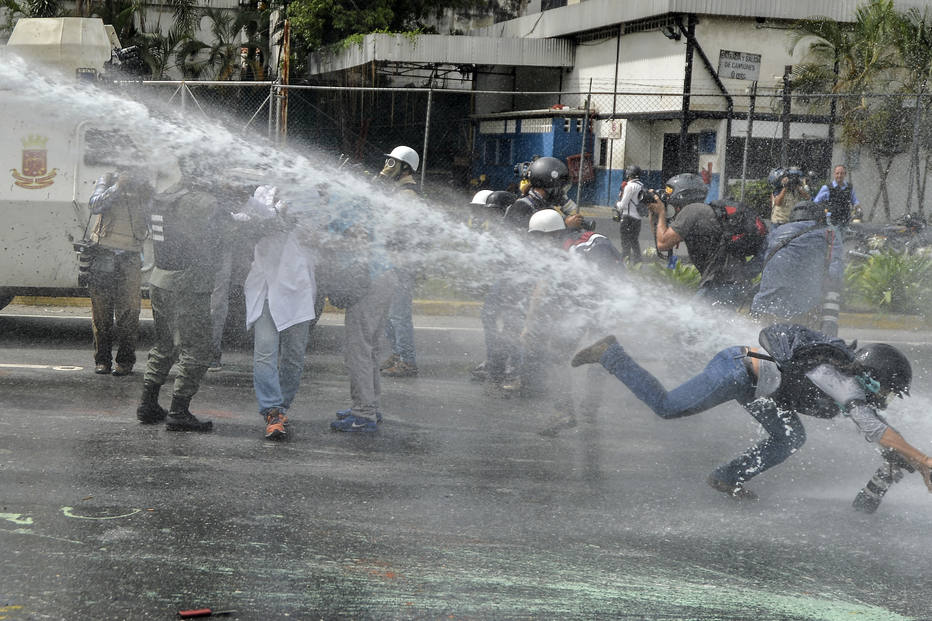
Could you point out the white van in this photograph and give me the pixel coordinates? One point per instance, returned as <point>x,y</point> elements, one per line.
<point>50,163</point>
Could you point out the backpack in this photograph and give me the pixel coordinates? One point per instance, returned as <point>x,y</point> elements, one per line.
<point>796,350</point>
<point>744,234</point>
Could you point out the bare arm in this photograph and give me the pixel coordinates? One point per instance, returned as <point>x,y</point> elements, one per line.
<point>667,238</point>
<point>923,463</point>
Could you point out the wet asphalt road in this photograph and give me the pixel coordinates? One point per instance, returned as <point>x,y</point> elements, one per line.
<point>455,509</point>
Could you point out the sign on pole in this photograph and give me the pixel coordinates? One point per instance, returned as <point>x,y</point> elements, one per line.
<point>738,65</point>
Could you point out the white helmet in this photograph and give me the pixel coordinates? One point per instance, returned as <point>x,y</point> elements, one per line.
<point>481,197</point>
<point>546,221</point>
<point>407,155</point>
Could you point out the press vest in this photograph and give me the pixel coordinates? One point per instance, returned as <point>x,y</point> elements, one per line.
<point>839,203</point>
<point>122,226</point>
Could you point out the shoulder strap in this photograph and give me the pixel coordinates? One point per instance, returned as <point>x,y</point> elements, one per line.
<point>786,242</point>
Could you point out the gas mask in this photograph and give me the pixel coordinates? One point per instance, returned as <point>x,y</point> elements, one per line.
<point>392,170</point>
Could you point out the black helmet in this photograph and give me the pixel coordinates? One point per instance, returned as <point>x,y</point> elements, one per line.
<point>500,200</point>
<point>685,188</point>
<point>632,172</point>
<point>807,210</point>
<point>775,176</point>
<point>550,174</point>
<point>887,366</point>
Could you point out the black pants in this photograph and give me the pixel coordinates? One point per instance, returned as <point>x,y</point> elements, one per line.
<point>630,246</point>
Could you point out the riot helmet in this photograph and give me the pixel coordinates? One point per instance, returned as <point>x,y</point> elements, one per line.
<point>888,371</point>
<point>685,188</point>
<point>481,197</point>
<point>546,221</point>
<point>552,176</point>
<point>500,200</point>
<point>400,160</point>
<point>632,172</point>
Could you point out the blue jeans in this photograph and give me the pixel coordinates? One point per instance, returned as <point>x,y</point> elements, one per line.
<point>400,326</point>
<point>277,361</point>
<point>724,379</point>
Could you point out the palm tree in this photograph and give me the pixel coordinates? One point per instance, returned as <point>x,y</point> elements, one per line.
<point>221,58</point>
<point>863,59</point>
<point>913,41</point>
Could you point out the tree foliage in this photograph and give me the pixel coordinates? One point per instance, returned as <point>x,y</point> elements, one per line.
<point>874,63</point>
<point>324,22</point>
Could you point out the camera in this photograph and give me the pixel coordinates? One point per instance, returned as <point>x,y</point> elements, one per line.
<point>793,174</point>
<point>93,262</point>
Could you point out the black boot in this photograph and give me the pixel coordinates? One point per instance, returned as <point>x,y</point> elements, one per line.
<point>149,411</point>
<point>180,419</point>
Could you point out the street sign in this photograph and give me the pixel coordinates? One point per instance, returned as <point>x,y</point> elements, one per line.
<point>738,65</point>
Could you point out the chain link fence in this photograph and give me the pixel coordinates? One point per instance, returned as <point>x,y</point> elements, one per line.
<point>472,140</point>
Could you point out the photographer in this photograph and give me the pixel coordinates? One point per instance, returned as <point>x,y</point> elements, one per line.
<point>550,180</point>
<point>790,188</point>
<point>726,278</point>
<point>119,202</point>
<point>628,213</point>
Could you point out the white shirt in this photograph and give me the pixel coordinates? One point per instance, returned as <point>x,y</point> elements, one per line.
<point>629,199</point>
<point>282,272</point>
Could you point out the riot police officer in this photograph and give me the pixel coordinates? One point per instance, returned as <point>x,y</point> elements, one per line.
<point>185,226</point>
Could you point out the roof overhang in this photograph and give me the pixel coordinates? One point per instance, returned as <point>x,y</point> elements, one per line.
<point>445,50</point>
<point>572,19</point>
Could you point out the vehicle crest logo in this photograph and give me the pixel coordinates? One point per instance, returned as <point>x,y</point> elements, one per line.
<point>36,174</point>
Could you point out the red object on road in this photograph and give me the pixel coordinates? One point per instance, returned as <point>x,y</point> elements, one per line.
<point>203,612</point>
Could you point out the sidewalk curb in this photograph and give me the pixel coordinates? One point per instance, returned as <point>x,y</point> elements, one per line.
<point>463,308</point>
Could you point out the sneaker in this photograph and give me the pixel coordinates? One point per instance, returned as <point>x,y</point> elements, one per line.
<point>275,421</point>
<point>150,413</point>
<point>735,490</point>
<point>186,421</point>
<point>352,422</point>
<point>400,369</point>
<point>390,362</point>
<point>215,366</point>
<point>558,423</point>
<point>122,369</point>
<point>479,373</point>
<point>344,413</point>
<point>102,369</point>
<point>593,353</point>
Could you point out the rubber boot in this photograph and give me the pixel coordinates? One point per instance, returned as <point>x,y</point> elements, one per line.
<point>149,411</point>
<point>180,419</point>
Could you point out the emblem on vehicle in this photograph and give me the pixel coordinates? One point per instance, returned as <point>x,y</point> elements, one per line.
<point>36,174</point>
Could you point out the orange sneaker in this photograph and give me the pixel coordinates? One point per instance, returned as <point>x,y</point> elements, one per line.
<point>275,424</point>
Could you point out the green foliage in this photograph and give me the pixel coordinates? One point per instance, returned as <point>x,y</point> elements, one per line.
<point>322,23</point>
<point>890,282</point>
<point>757,195</point>
<point>684,276</point>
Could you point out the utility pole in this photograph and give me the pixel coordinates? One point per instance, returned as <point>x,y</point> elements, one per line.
<point>785,117</point>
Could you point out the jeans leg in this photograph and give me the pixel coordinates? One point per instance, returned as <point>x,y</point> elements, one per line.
<point>786,435</point>
<point>364,321</point>
<point>400,318</point>
<point>265,376</point>
<point>293,344</point>
<point>723,379</point>
<point>495,348</point>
